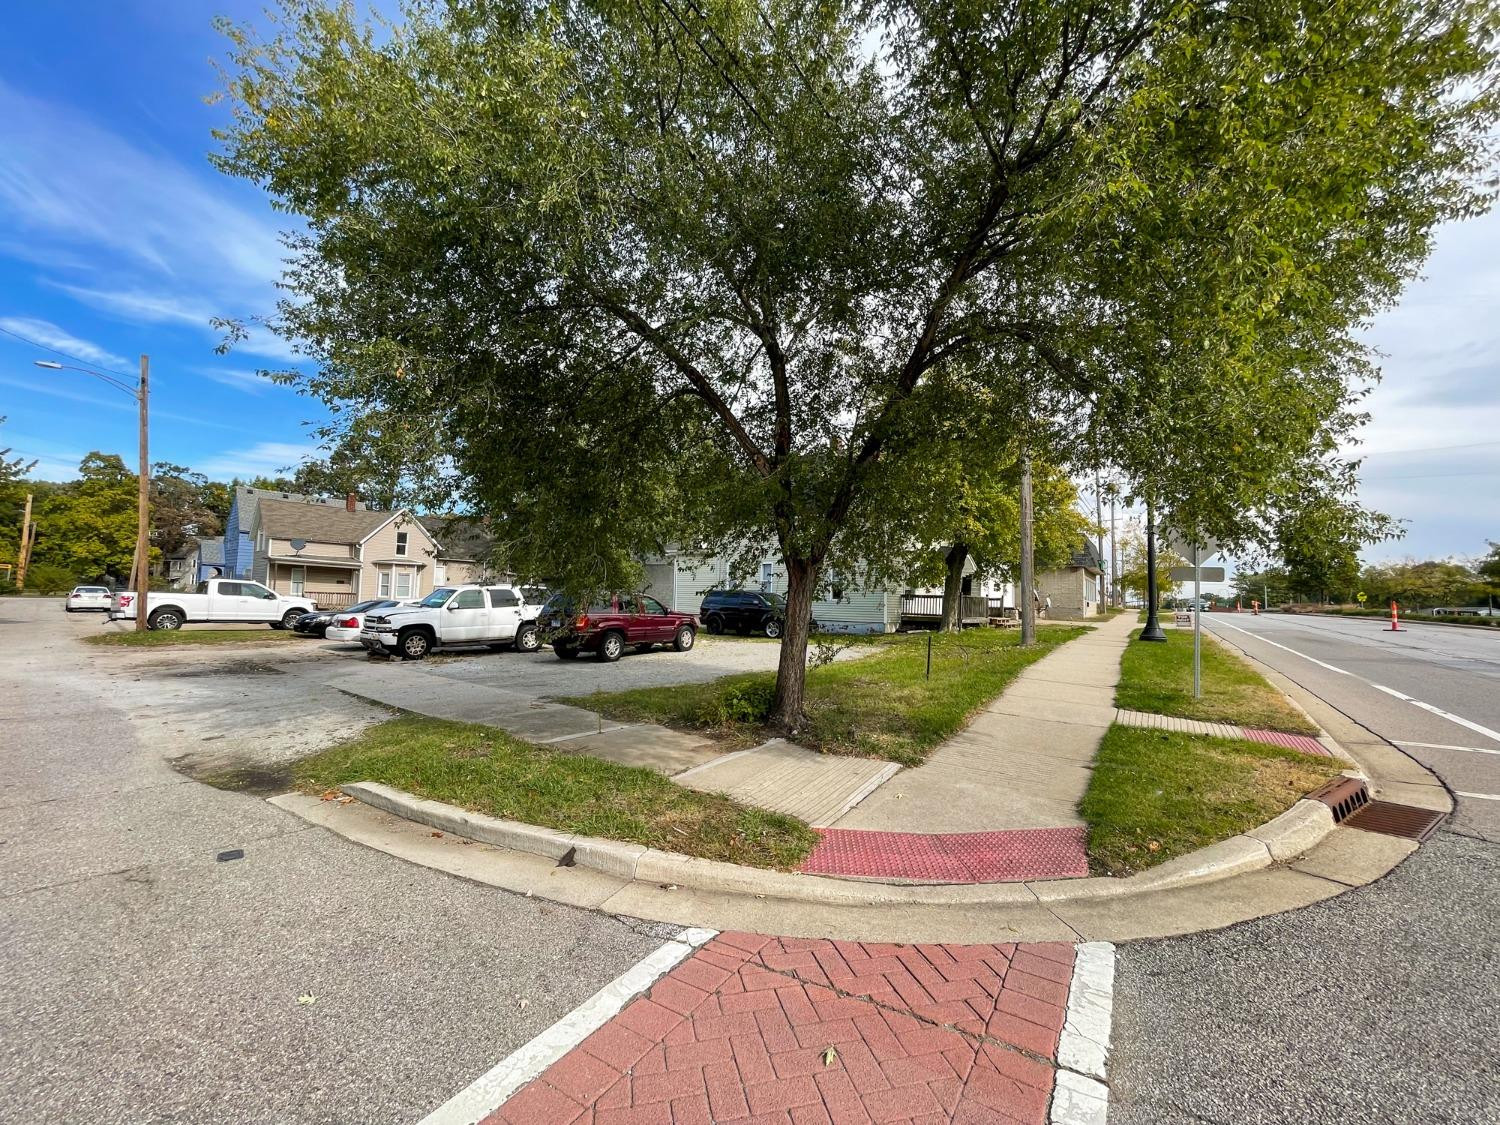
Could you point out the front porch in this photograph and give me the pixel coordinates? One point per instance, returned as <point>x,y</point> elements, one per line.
<point>328,583</point>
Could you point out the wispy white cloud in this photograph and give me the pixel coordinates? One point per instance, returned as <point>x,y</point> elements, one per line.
<point>49,335</point>
<point>251,382</point>
<point>146,206</point>
<point>266,458</point>
<point>109,400</point>
<point>139,306</point>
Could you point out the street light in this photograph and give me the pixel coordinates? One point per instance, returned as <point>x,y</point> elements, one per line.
<point>142,564</point>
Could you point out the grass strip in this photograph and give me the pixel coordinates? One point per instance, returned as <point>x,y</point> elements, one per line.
<point>165,638</point>
<point>1159,678</point>
<point>879,706</point>
<point>484,769</point>
<point>1156,795</point>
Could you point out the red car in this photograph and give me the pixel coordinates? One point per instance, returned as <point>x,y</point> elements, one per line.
<point>607,626</point>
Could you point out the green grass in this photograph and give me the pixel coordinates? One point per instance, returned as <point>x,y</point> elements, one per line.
<point>1156,795</point>
<point>879,706</point>
<point>1159,678</point>
<point>484,769</point>
<point>164,638</point>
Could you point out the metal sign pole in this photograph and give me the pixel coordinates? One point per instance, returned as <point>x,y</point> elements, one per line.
<point>1197,626</point>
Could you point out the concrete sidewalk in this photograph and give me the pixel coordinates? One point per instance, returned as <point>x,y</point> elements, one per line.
<point>1025,762</point>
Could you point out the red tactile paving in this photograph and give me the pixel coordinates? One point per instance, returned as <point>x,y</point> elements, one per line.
<point>1289,741</point>
<point>740,1033</point>
<point>958,857</point>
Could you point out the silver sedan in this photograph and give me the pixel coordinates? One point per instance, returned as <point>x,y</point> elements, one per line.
<point>347,623</point>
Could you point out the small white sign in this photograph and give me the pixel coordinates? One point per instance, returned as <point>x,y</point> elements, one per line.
<point>1182,619</point>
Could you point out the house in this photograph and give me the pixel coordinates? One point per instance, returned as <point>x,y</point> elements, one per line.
<point>1074,587</point>
<point>337,556</point>
<point>465,550</point>
<point>210,563</point>
<point>239,549</point>
<point>679,578</point>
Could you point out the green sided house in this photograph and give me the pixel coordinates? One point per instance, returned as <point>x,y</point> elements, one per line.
<point>680,578</point>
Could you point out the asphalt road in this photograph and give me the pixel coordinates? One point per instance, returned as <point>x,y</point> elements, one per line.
<point>1381,1005</point>
<point>146,981</point>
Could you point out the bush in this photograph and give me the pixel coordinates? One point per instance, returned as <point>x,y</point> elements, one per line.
<point>6,587</point>
<point>742,703</point>
<point>44,578</point>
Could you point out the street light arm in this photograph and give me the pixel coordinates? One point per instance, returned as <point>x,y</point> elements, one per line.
<point>52,365</point>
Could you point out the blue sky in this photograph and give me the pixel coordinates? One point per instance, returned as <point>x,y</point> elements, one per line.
<point>117,237</point>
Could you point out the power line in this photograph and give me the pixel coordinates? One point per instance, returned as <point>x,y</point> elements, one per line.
<point>65,355</point>
<point>1430,449</point>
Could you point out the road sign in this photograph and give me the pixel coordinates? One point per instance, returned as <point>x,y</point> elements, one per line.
<point>1199,574</point>
<point>1360,597</point>
<point>1179,544</point>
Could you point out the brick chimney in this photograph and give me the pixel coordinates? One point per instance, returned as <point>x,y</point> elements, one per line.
<point>349,502</point>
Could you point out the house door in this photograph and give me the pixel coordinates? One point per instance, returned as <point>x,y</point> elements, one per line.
<point>299,580</point>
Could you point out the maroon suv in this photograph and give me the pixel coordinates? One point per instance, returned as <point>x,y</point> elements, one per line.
<point>607,626</point>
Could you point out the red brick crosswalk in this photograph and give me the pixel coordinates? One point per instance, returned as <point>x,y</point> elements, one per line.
<point>800,1031</point>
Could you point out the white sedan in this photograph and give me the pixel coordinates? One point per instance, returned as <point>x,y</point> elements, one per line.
<point>347,623</point>
<point>88,597</point>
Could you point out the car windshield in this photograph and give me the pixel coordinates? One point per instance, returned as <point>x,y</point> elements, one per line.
<point>437,598</point>
<point>361,607</point>
<point>776,600</point>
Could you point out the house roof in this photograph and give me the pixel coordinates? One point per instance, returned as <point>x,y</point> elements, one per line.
<point>461,538</point>
<point>320,523</point>
<point>1087,557</point>
<point>211,551</point>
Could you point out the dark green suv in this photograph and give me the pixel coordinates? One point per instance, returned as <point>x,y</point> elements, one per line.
<point>743,611</point>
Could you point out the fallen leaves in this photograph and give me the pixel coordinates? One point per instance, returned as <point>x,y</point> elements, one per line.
<point>307,999</point>
<point>830,1056</point>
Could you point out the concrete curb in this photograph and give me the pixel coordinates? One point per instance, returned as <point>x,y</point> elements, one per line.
<point>1279,840</point>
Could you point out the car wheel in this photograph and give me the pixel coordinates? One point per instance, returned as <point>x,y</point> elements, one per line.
<point>715,624</point>
<point>165,619</point>
<point>772,628</point>
<point>289,618</point>
<point>611,647</point>
<point>684,638</point>
<point>415,644</point>
<point>527,639</point>
<point>565,652</point>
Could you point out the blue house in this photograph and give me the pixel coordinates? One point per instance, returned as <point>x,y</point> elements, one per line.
<point>239,547</point>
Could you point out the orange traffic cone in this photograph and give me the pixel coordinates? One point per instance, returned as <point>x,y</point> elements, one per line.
<point>1395,626</point>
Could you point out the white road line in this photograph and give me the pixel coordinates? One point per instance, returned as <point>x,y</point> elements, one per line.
<point>490,1090</point>
<point>1477,728</point>
<point>1079,1093</point>
<point>1445,746</point>
<point>1479,796</point>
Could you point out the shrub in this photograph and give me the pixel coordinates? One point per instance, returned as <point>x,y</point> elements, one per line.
<point>44,578</point>
<point>742,703</point>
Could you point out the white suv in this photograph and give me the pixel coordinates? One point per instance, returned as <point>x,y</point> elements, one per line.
<point>497,616</point>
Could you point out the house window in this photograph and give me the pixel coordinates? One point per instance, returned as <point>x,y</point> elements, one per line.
<point>299,580</point>
<point>767,577</point>
<point>401,543</point>
<point>403,584</point>
<point>385,583</point>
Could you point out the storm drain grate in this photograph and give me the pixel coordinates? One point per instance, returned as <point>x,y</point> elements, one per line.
<point>1345,796</point>
<point>1392,819</point>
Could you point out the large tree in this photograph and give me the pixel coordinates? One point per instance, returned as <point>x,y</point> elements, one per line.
<point>87,527</point>
<point>659,270</point>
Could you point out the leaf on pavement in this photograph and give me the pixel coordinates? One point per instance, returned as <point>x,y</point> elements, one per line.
<point>830,1056</point>
<point>307,998</point>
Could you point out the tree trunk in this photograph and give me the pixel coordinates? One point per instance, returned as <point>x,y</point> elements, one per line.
<point>791,669</point>
<point>957,555</point>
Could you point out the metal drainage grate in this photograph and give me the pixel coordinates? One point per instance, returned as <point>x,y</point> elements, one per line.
<point>1344,796</point>
<point>1396,820</point>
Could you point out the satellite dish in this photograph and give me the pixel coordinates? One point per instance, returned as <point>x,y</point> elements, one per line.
<point>298,544</point>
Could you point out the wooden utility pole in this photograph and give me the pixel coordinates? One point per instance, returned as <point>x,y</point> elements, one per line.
<point>1028,576</point>
<point>143,509</point>
<point>23,557</point>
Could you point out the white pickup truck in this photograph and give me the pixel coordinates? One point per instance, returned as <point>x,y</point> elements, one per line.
<point>498,616</point>
<point>218,599</point>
